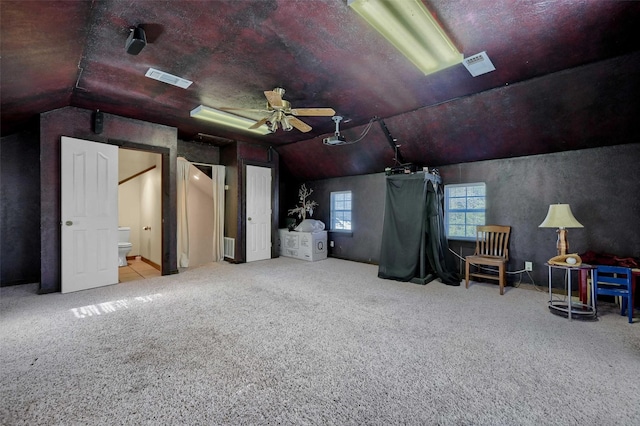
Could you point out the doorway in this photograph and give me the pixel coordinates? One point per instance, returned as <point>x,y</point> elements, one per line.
<point>140,212</point>
<point>258,218</point>
<point>200,212</point>
<point>200,217</point>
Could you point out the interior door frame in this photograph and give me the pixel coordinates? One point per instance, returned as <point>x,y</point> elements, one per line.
<point>165,186</point>
<point>243,207</point>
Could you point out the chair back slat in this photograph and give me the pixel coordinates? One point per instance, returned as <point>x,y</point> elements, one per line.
<point>492,240</point>
<point>613,275</point>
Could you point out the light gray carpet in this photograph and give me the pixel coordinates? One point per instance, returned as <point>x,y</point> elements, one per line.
<point>291,342</point>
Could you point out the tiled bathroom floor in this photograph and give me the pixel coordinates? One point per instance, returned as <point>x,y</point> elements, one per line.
<point>136,270</point>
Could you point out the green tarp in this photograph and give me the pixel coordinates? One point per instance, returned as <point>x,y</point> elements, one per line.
<point>413,240</point>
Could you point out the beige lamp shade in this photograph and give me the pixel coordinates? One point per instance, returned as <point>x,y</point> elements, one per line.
<point>560,216</point>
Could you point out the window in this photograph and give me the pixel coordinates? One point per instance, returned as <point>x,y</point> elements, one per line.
<point>465,206</point>
<point>341,211</point>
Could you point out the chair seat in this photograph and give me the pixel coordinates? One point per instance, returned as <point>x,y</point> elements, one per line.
<point>486,260</point>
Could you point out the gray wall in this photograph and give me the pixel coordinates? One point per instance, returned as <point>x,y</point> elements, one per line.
<point>198,152</point>
<point>600,184</point>
<point>363,244</point>
<point>20,208</point>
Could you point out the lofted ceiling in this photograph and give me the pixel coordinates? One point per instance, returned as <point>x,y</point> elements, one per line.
<point>567,75</point>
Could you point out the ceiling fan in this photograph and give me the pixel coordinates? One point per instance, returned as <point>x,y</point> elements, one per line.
<point>281,114</point>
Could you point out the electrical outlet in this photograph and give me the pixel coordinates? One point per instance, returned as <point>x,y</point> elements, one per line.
<point>528,266</point>
<point>330,243</point>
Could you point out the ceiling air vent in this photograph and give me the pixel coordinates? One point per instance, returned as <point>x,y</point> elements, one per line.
<point>478,64</point>
<point>168,78</point>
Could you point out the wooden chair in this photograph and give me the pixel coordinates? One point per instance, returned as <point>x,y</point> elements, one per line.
<point>491,250</point>
<point>615,281</point>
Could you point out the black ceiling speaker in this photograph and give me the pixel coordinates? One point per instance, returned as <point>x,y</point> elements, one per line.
<point>136,41</point>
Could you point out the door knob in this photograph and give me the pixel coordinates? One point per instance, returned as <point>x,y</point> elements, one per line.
<point>146,228</point>
<point>69,223</point>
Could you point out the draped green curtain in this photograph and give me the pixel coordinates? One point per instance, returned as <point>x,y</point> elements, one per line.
<point>413,239</point>
<point>440,258</point>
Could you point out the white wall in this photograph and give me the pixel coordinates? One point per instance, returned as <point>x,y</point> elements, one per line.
<point>129,211</point>
<point>151,213</point>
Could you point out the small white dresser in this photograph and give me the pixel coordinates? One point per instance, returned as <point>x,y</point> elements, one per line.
<point>309,246</point>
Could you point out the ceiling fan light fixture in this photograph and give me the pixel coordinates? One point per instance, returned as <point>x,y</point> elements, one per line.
<point>286,125</point>
<point>226,119</point>
<point>411,28</point>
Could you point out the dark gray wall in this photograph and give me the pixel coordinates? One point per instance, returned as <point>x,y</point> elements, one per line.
<point>20,208</point>
<point>199,152</point>
<point>600,184</point>
<point>363,244</point>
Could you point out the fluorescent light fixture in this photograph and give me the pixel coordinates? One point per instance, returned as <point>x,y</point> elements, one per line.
<point>226,119</point>
<point>409,26</point>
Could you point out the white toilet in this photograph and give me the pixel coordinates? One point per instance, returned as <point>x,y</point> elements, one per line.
<point>124,246</point>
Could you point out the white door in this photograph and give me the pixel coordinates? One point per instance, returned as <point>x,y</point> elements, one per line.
<point>89,212</point>
<point>258,223</point>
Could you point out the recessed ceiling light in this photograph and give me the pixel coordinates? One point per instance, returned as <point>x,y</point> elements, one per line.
<point>165,77</point>
<point>479,64</point>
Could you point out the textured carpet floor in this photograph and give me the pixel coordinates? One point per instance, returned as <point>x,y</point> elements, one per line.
<point>291,342</point>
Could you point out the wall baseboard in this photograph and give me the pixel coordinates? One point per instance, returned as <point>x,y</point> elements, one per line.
<point>147,261</point>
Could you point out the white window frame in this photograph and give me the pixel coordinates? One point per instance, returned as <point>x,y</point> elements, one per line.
<point>470,228</point>
<point>334,211</point>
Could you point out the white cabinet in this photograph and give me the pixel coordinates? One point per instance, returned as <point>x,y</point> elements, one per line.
<point>309,246</point>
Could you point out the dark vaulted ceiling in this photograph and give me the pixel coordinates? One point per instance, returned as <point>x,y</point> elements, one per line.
<point>567,75</point>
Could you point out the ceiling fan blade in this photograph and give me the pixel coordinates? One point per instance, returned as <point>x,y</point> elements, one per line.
<point>258,123</point>
<point>320,112</point>
<point>299,124</point>
<point>274,98</point>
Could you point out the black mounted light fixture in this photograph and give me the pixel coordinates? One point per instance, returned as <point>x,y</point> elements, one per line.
<point>137,41</point>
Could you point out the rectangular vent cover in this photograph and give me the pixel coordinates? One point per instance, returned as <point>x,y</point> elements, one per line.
<point>229,247</point>
<point>168,78</point>
<point>478,64</point>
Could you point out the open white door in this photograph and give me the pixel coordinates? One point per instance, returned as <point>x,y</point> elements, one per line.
<point>89,212</point>
<point>258,223</point>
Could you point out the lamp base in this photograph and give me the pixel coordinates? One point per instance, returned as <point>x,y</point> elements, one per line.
<point>563,244</point>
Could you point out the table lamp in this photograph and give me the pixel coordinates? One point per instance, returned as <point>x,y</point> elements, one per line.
<point>560,216</point>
